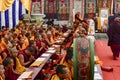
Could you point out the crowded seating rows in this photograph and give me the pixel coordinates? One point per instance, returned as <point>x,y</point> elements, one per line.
<point>22,45</point>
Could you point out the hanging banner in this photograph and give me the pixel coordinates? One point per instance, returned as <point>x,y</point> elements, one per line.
<point>64,8</point>
<point>36,9</point>
<point>50,8</point>
<point>117,6</point>
<point>79,7</point>
<point>90,6</point>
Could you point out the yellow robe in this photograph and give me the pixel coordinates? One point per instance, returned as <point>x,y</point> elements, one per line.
<point>1,78</point>
<point>3,45</point>
<point>32,38</point>
<point>19,67</point>
<point>1,59</point>
<point>51,40</point>
<point>17,31</point>
<point>25,44</point>
<point>70,69</point>
<point>55,77</point>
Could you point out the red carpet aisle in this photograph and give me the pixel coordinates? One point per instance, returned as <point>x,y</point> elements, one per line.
<point>104,53</point>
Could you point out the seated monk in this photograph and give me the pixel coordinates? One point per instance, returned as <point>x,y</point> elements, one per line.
<point>62,73</point>
<point>23,43</point>
<point>1,59</point>
<point>32,35</point>
<point>2,70</point>
<point>9,71</point>
<point>32,44</point>
<point>41,46</point>
<point>69,60</point>
<point>3,55</point>
<point>19,69</point>
<point>26,57</point>
<point>50,37</point>
<point>45,40</point>
<point>2,44</point>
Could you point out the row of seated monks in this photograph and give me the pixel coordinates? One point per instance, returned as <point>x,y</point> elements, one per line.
<point>22,45</point>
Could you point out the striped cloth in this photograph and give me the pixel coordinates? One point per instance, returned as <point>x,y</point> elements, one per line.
<point>11,17</point>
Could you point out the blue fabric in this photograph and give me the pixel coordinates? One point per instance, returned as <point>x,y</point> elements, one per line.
<point>7,18</point>
<point>20,10</point>
<point>13,13</point>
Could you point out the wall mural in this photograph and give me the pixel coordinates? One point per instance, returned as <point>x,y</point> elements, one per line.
<point>117,6</point>
<point>78,6</point>
<point>50,8</point>
<point>105,4</point>
<point>90,8</point>
<point>64,10</point>
<point>36,7</point>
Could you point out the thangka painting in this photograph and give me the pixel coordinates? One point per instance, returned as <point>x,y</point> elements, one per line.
<point>81,49</point>
<point>79,6</point>
<point>36,8</point>
<point>105,4</point>
<point>50,8</point>
<point>90,6</point>
<point>64,10</point>
<point>117,6</point>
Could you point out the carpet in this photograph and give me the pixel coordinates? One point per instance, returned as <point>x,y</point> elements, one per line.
<point>103,51</point>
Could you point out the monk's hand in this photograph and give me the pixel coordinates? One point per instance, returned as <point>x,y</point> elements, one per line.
<point>31,58</point>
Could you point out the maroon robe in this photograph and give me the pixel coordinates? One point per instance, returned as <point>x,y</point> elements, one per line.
<point>9,75</point>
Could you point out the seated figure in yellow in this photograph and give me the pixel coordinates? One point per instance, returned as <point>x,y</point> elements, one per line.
<point>32,38</point>
<point>2,43</point>
<point>50,37</point>
<point>3,55</point>
<point>62,73</point>
<point>24,43</point>
<point>17,31</point>
<point>17,66</point>
<point>2,70</point>
<point>1,59</point>
<point>32,35</point>
<point>69,60</point>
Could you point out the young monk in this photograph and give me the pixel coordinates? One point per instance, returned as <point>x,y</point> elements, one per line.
<point>32,44</point>
<point>17,65</point>
<point>9,71</point>
<point>69,60</point>
<point>41,46</point>
<point>45,40</point>
<point>2,70</point>
<point>62,73</point>
<point>26,57</point>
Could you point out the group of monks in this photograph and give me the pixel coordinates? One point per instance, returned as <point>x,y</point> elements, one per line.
<point>22,45</point>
